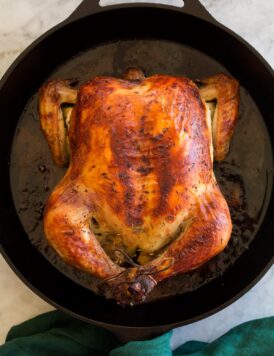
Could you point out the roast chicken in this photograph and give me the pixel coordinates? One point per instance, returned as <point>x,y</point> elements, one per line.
<point>139,202</point>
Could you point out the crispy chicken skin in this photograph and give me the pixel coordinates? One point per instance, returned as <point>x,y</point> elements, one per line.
<point>140,182</point>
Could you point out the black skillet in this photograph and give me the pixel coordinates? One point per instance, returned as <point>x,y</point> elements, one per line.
<point>158,38</point>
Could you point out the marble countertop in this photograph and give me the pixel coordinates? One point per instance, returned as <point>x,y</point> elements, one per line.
<point>23,21</point>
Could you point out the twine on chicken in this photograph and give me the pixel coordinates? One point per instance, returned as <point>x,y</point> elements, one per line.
<point>147,270</point>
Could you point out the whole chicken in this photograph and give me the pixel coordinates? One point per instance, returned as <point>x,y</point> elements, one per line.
<point>139,202</point>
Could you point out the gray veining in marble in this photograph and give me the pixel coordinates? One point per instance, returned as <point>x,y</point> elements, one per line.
<point>23,21</point>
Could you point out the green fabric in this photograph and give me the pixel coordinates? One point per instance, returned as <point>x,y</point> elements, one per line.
<point>55,333</point>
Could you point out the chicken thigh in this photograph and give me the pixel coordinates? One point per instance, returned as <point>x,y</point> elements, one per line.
<point>139,202</point>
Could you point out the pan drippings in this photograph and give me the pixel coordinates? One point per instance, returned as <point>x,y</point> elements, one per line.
<point>242,176</point>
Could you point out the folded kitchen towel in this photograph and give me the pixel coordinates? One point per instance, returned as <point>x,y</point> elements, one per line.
<point>55,333</point>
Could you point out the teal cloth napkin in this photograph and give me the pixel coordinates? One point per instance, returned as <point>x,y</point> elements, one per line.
<point>55,333</point>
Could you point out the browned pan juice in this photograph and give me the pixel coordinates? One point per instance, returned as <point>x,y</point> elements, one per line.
<point>242,176</point>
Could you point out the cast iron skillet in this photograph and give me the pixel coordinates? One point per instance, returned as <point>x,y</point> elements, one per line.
<point>183,41</point>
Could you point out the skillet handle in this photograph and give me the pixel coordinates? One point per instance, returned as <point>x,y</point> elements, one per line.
<point>190,7</point>
<point>195,8</point>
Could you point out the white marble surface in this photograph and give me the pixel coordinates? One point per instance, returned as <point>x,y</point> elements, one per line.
<point>23,21</point>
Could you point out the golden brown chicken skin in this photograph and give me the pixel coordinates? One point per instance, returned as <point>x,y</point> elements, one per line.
<point>140,183</point>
